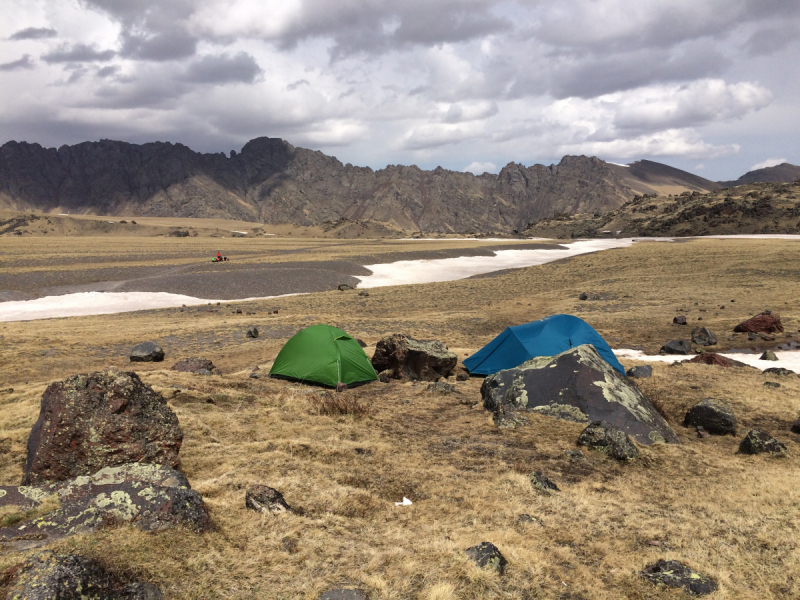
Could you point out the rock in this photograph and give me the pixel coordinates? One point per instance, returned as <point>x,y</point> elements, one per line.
<point>608,439</point>
<point>103,419</point>
<point>150,497</point>
<point>198,366</point>
<point>752,337</point>
<point>261,498</point>
<point>766,322</point>
<point>361,343</point>
<point>383,377</point>
<point>488,556</point>
<point>542,483</point>
<point>772,384</point>
<point>343,287</point>
<point>48,575</point>
<point>671,573</point>
<point>426,360</point>
<point>710,358</point>
<point>758,442</point>
<point>702,433</point>
<point>252,333</point>
<point>703,337</point>
<point>796,426</point>
<point>462,377</point>
<point>768,355</point>
<point>712,415</point>
<point>441,387</point>
<point>364,294</point>
<point>679,320</point>
<point>147,352</point>
<point>341,387</point>
<point>583,296</point>
<point>343,594</point>
<point>677,347</point>
<point>576,385</point>
<point>641,372</point>
<point>525,518</point>
<point>253,375</point>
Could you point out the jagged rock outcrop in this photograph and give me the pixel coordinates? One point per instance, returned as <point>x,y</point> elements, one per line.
<point>403,356</point>
<point>88,422</point>
<point>576,385</point>
<point>273,182</point>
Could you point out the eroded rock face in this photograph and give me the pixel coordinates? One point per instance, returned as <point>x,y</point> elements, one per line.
<point>108,418</point>
<point>766,322</point>
<point>576,385</point>
<point>425,360</point>
<point>674,574</point>
<point>609,440</point>
<point>712,415</point>
<point>47,575</point>
<point>760,442</point>
<point>151,497</point>
<point>487,556</point>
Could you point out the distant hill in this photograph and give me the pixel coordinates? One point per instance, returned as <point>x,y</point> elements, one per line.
<point>783,173</point>
<point>270,181</point>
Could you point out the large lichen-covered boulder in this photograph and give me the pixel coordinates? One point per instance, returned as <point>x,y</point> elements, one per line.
<point>403,356</point>
<point>151,497</point>
<point>48,575</point>
<point>576,385</point>
<point>672,573</point>
<point>88,422</point>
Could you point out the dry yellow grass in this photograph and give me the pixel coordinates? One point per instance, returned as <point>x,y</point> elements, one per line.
<point>733,517</point>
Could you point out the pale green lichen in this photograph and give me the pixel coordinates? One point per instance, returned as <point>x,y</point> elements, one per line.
<point>566,412</point>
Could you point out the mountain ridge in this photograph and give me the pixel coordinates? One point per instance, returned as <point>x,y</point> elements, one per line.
<point>273,182</point>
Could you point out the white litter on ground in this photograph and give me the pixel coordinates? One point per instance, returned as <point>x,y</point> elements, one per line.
<point>787,359</point>
<point>234,231</point>
<point>405,502</point>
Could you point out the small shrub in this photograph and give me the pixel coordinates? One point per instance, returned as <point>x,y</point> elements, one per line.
<point>333,404</point>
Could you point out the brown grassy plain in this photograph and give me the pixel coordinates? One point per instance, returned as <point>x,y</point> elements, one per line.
<point>736,518</point>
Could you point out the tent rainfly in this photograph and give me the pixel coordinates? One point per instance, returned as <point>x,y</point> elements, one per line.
<point>547,337</point>
<point>325,355</point>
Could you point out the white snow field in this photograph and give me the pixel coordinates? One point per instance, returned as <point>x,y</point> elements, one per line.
<point>788,359</point>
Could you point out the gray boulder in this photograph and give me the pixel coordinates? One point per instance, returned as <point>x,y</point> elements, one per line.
<point>759,442</point>
<point>712,415</point>
<point>673,574</point>
<point>403,356</point>
<point>703,337</point>
<point>88,422</point>
<point>150,497</point>
<point>576,385</point>
<point>677,347</point>
<point>679,320</point>
<point>641,372</point>
<point>487,556</point>
<point>48,575</point>
<point>147,352</point>
<point>609,440</point>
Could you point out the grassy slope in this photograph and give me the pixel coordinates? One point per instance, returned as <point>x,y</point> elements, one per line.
<point>730,516</point>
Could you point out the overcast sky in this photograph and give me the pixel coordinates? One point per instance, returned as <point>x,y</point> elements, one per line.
<point>711,86</point>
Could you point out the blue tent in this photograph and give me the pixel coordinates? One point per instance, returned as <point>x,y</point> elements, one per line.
<point>547,337</point>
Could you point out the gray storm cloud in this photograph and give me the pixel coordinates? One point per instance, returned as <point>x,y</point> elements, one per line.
<point>450,82</point>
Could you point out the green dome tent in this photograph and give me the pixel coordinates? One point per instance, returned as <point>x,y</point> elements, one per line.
<point>323,354</point>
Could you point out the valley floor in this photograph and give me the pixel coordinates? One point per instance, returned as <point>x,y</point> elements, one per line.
<point>730,516</point>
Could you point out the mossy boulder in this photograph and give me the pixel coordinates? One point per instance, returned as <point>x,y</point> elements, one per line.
<point>712,415</point>
<point>49,575</point>
<point>487,556</point>
<point>609,440</point>
<point>405,357</point>
<point>672,573</point>
<point>760,442</point>
<point>576,385</point>
<point>89,422</point>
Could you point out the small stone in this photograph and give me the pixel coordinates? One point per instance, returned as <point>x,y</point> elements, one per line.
<point>796,426</point>
<point>253,375</point>
<point>671,573</point>
<point>583,296</point>
<point>343,287</point>
<point>772,384</point>
<point>542,484</point>
<point>261,498</point>
<point>238,311</point>
<point>252,333</point>
<point>289,545</point>
<point>608,439</point>
<point>524,518</point>
<point>640,372</point>
<point>364,294</point>
<point>462,377</point>
<point>383,377</point>
<point>341,387</point>
<point>487,556</point>
<point>758,442</point>
<point>679,320</point>
<point>440,387</point>
<point>768,355</point>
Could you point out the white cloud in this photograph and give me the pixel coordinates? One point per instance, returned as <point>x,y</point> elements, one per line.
<point>479,168</point>
<point>770,162</point>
